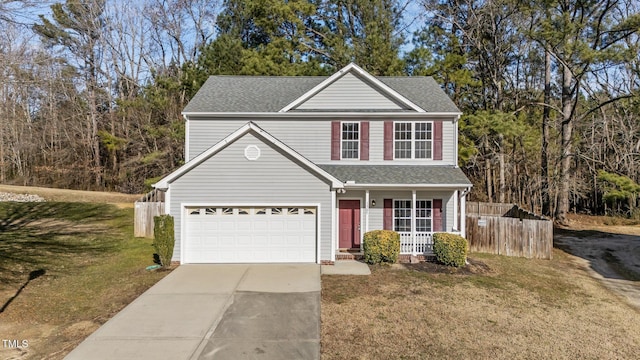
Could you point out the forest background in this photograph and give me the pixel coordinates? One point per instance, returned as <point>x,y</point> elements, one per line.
<point>91,90</point>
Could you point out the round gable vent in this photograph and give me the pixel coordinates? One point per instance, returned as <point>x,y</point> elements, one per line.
<point>252,152</point>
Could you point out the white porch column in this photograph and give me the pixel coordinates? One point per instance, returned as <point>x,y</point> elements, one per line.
<point>413,222</point>
<point>456,194</point>
<point>463,214</point>
<point>366,211</point>
<point>334,229</point>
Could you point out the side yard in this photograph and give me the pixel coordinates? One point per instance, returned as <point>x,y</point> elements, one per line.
<point>66,268</point>
<point>497,307</point>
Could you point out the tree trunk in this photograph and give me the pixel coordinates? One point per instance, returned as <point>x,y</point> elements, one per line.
<point>565,146</point>
<point>501,181</point>
<point>487,168</point>
<point>544,152</point>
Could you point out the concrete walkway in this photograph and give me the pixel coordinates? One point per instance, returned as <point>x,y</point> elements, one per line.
<point>269,311</point>
<point>346,267</point>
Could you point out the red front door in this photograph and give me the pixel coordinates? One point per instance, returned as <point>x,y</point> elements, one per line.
<point>349,226</point>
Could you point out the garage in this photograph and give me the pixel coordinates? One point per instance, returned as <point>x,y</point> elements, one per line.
<point>250,234</point>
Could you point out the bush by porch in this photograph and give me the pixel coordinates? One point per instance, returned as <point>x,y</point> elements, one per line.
<point>381,246</point>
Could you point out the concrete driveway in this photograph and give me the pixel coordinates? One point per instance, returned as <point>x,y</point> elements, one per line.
<point>201,312</point>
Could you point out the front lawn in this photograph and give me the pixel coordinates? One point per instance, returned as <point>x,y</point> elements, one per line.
<point>65,269</point>
<point>497,308</point>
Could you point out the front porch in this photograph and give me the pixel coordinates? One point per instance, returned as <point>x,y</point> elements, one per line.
<point>419,244</point>
<point>414,214</point>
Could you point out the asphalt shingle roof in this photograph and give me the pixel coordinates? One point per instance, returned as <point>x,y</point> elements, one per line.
<point>398,174</point>
<point>272,93</point>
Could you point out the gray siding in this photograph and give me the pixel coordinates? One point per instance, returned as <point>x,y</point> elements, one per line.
<point>310,138</point>
<point>349,93</point>
<point>376,213</point>
<point>228,177</point>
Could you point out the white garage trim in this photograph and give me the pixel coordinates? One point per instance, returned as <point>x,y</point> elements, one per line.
<point>187,206</point>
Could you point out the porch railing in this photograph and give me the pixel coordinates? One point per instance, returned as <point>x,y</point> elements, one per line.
<point>421,243</point>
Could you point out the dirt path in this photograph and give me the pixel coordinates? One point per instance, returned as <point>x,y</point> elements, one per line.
<point>51,194</point>
<point>611,253</point>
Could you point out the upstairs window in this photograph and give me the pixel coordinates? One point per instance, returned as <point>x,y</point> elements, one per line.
<point>350,143</point>
<point>413,140</point>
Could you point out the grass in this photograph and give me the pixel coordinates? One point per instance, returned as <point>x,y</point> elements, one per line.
<point>65,195</point>
<point>66,269</point>
<point>498,307</point>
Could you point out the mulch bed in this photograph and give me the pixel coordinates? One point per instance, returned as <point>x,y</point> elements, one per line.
<point>474,267</point>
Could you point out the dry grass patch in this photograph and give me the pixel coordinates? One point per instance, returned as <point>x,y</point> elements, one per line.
<point>66,269</point>
<point>65,195</point>
<point>498,307</point>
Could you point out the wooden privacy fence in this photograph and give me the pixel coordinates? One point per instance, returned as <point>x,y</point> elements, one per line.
<point>150,205</point>
<point>506,229</point>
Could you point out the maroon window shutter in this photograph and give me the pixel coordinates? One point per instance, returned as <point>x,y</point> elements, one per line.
<point>364,140</point>
<point>335,140</point>
<point>387,222</point>
<point>436,213</point>
<point>388,140</point>
<point>437,140</point>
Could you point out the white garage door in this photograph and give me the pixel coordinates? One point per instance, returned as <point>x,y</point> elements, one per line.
<point>250,234</point>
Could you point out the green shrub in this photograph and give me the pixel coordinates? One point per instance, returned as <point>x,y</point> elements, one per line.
<point>381,246</point>
<point>163,238</point>
<point>450,249</point>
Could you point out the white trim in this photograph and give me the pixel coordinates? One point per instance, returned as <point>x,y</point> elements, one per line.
<point>360,199</point>
<point>455,141</point>
<point>250,126</point>
<point>368,77</point>
<point>355,186</point>
<point>167,202</point>
<point>413,220</point>
<point>334,218</point>
<point>295,116</point>
<point>463,214</point>
<point>186,138</point>
<point>183,232</point>
<point>185,205</point>
<point>455,209</point>
<point>318,234</point>
<point>366,210</point>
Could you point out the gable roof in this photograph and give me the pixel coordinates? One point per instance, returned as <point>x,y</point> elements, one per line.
<point>260,94</point>
<point>249,127</point>
<point>393,175</point>
<point>363,76</point>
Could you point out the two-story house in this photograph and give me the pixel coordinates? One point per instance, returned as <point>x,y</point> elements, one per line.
<point>297,169</point>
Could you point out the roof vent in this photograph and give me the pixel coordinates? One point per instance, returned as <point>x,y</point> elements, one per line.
<point>252,152</point>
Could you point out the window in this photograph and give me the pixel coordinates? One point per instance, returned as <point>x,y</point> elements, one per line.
<point>413,140</point>
<point>423,215</point>
<point>402,215</point>
<point>350,143</point>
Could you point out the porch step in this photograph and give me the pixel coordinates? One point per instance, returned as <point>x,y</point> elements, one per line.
<point>349,256</point>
